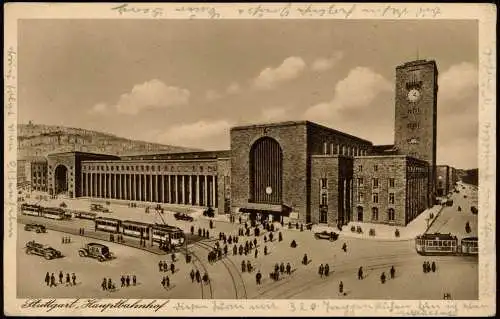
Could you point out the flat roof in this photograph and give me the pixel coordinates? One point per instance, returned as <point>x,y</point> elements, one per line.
<point>81,153</point>
<point>297,123</point>
<point>181,155</point>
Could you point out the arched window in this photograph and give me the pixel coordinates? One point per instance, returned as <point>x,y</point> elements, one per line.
<point>266,171</point>
<point>374,213</point>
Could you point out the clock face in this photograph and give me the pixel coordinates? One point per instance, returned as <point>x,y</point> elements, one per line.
<point>413,95</point>
<point>269,190</point>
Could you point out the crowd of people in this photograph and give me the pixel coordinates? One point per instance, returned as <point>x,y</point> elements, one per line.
<point>69,280</point>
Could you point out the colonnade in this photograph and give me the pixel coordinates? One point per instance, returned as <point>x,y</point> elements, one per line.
<point>196,190</point>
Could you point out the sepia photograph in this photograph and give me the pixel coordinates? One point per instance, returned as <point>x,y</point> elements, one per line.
<point>244,159</point>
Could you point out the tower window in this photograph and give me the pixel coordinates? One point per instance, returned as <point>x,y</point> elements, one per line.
<point>324,199</point>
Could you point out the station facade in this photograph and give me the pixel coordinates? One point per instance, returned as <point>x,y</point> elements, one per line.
<point>298,169</point>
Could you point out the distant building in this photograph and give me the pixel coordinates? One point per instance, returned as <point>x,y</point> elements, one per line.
<point>39,175</point>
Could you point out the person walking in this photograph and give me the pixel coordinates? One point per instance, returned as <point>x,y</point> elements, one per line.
<point>320,270</point>
<point>382,278</point>
<point>344,247</point>
<point>198,276</point>
<point>243,266</point>
<point>127,280</point>
<point>167,282</point>
<point>73,276</point>
<point>160,266</point>
<point>61,277</point>
<point>104,285</point>
<point>134,280</point>
<point>172,268</point>
<point>280,236</point>
<point>424,267</point>
<point>173,257</point>
<point>288,269</point>
<point>258,277</point>
<point>393,272</point>
<point>304,259</point>
<point>326,270</point>
<point>235,250</point>
<point>256,253</point>
<point>191,274</point>
<point>360,273</point>
<point>265,250</point>
<point>433,266</point>
<point>270,236</point>
<point>122,280</point>
<point>249,266</point>
<point>341,287</point>
<point>110,284</point>
<point>163,281</point>
<point>47,279</point>
<point>282,267</point>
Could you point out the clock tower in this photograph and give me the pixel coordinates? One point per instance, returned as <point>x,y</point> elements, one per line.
<point>416,112</point>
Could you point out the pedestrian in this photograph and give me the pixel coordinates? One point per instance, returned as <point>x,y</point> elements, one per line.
<point>243,266</point>
<point>104,284</point>
<point>134,280</point>
<point>211,224</point>
<point>110,284</point>
<point>172,268</point>
<point>258,277</point>
<point>433,267</point>
<point>192,230</point>
<point>199,232</point>
<point>225,250</point>
<point>288,269</point>
<point>230,240</point>
<point>270,236</point>
<point>265,238</point>
<point>341,287</point>
<point>256,252</point>
<point>382,278</point>
<point>360,273</point>
<point>241,250</point>
<point>173,257</point>
<point>167,282</point>
<point>73,276</point>
<point>47,278</point>
<point>205,278</point>
<point>424,267</point>
<point>428,267</point>
<point>208,236</point>
<point>61,277</point>
<point>280,236</point>
<point>255,242</point>
<point>160,266</point>
<point>198,276</point>
<point>320,270</point>
<point>276,267</point>
<point>265,250</point>
<point>163,281</point>
<point>62,239</point>
<point>304,259</point>
<point>127,280</point>
<point>235,250</point>
<point>203,232</point>
<point>191,274</point>
<point>122,280</point>
<point>393,272</point>
<point>239,219</point>
<point>326,270</point>
<point>344,247</point>
<point>249,266</point>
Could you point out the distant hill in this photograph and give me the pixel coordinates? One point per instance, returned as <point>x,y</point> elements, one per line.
<point>38,140</point>
<point>470,176</point>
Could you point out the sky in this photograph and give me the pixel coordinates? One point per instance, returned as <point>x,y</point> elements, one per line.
<point>186,82</point>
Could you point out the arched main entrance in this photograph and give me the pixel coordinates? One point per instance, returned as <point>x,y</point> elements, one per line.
<point>266,172</point>
<point>61,179</point>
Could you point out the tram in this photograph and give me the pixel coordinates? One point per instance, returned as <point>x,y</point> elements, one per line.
<point>135,229</point>
<point>445,244</point>
<point>55,213</point>
<point>32,210</point>
<point>110,225</point>
<point>85,215</point>
<point>171,234</point>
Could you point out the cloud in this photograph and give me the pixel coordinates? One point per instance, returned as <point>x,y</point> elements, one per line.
<point>233,88</point>
<point>274,114</point>
<point>151,94</point>
<point>356,91</point>
<point>212,95</point>
<point>458,82</point>
<point>209,135</point>
<point>324,64</point>
<point>99,108</point>
<point>288,70</point>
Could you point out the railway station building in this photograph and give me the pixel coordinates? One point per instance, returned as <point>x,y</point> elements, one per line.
<point>296,170</point>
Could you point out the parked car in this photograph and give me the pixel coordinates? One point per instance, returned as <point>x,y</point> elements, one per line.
<point>35,227</point>
<point>47,252</point>
<point>183,216</point>
<point>331,236</point>
<point>99,208</point>
<point>209,212</point>
<point>97,251</point>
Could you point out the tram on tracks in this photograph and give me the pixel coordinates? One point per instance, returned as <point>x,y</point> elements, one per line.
<point>446,244</point>
<point>159,232</point>
<point>46,212</point>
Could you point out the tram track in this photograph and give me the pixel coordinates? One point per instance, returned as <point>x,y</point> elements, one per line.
<point>202,285</point>
<point>240,293</point>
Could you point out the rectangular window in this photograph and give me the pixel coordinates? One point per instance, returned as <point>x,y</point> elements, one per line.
<point>391,182</point>
<point>360,182</point>
<point>375,197</point>
<point>374,213</point>
<point>324,199</point>
<point>391,198</point>
<point>324,183</point>
<point>361,197</point>
<point>360,168</point>
<point>375,168</point>
<point>375,183</point>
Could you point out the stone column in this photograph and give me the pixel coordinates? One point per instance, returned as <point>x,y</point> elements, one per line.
<point>156,189</point>
<point>151,188</point>
<point>205,191</point>
<point>140,186</point>
<point>190,189</point>
<point>133,185</point>
<point>213,191</point>
<point>183,190</point>
<point>162,182</point>
<point>197,190</point>
<point>169,195</point>
<point>176,189</point>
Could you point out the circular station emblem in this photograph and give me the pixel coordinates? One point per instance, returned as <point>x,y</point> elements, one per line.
<point>269,190</point>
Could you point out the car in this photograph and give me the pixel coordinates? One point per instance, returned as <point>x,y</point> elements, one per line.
<point>34,248</point>
<point>183,216</point>
<point>36,227</point>
<point>209,212</point>
<point>331,236</point>
<point>99,208</point>
<point>97,251</point>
